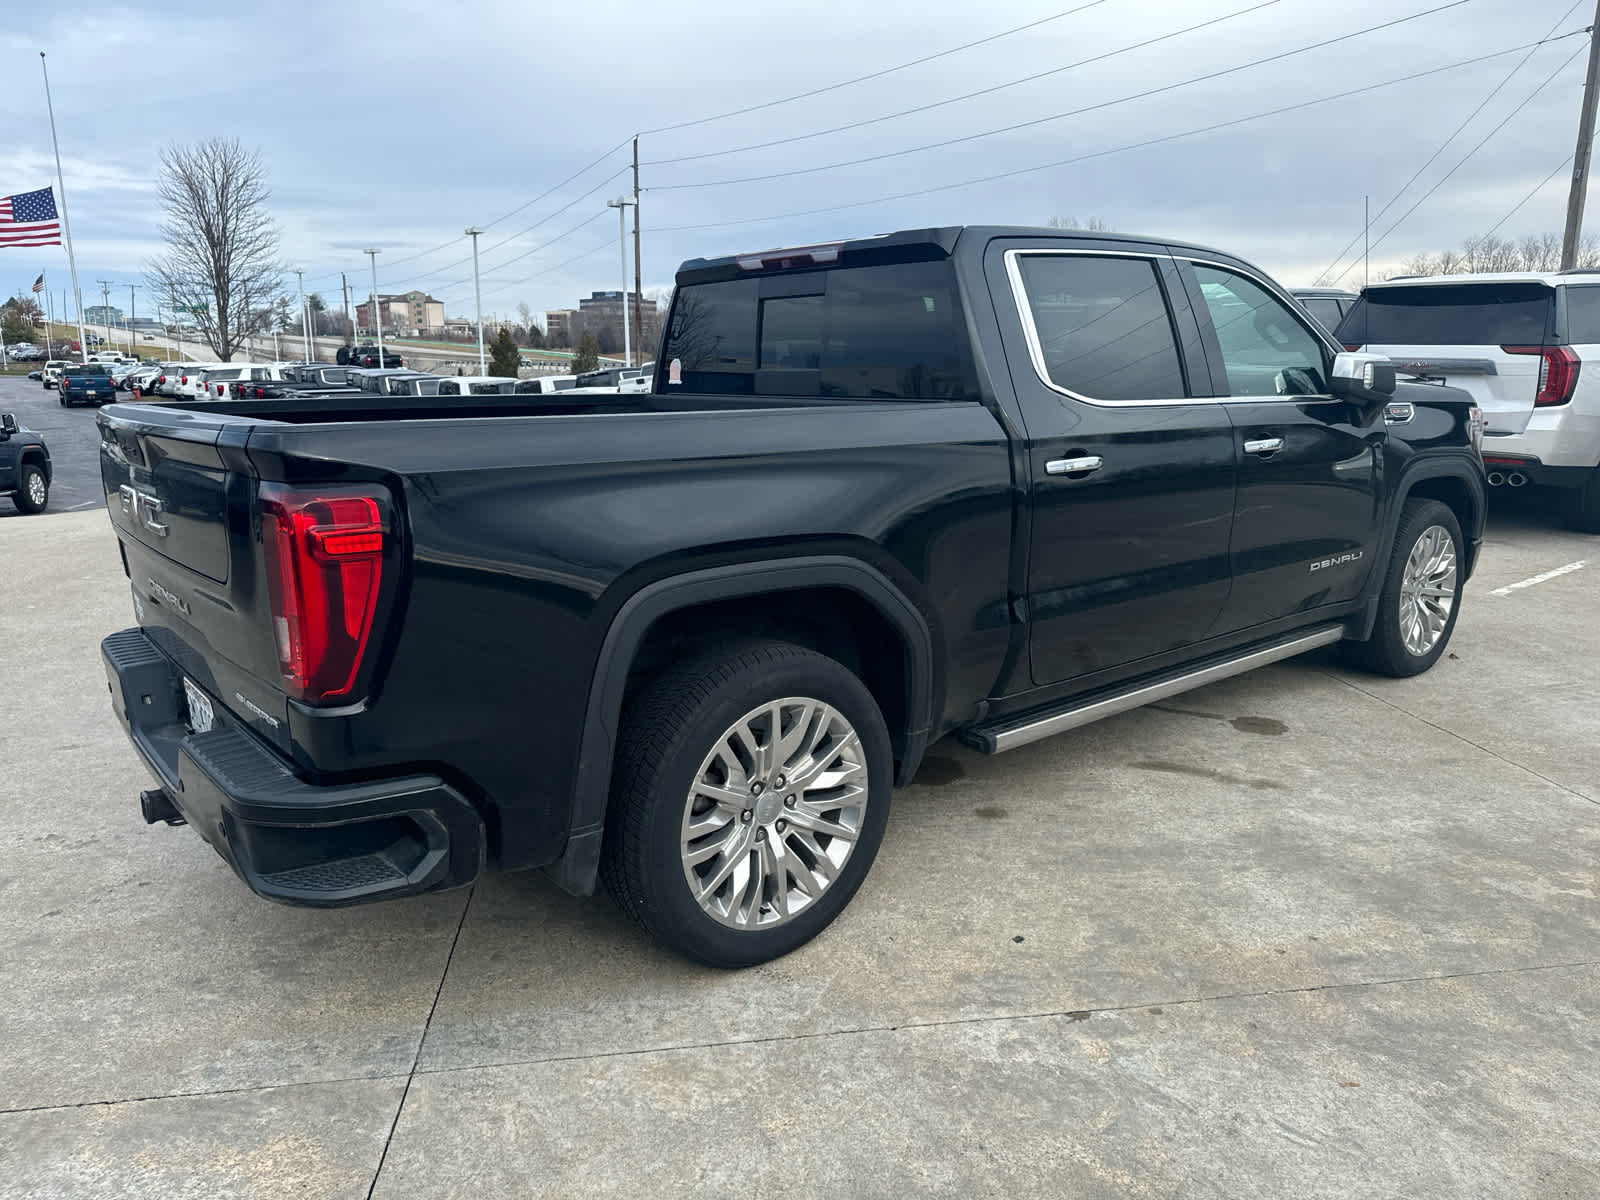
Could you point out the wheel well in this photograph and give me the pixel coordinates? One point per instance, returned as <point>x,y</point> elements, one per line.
<point>830,620</point>
<point>36,456</point>
<point>1454,494</point>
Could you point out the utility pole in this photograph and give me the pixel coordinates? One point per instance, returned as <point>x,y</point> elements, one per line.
<point>105,311</point>
<point>1580,157</point>
<point>1366,240</point>
<point>472,231</point>
<point>344,287</point>
<point>305,314</point>
<point>638,287</point>
<point>377,317</point>
<point>131,286</point>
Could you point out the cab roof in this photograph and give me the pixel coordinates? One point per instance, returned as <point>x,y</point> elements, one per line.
<point>905,245</point>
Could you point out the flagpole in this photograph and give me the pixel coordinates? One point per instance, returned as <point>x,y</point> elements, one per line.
<point>66,224</point>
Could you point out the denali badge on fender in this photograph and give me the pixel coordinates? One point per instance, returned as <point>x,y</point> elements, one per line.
<point>1338,560</point>
<point>161,596</point>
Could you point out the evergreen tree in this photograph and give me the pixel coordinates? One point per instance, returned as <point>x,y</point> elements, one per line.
<point>588,356</point>
<point>504,358</point>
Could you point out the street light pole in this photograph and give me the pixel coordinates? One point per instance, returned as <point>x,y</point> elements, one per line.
<point>621,204</point>
<point>377,317</point>
<point>305,315</point>
<point>472,232</point>
<point>131,311</point>
<point>105,310</point>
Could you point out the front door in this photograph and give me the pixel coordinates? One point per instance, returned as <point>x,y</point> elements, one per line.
<point>1132,476</point>
<point>1305,532</point>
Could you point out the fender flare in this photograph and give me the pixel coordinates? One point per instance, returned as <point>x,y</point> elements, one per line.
<point>576,870</point>
<point>1453,466</point>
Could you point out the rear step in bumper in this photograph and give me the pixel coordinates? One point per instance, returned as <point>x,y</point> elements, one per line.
<point>323,845</point>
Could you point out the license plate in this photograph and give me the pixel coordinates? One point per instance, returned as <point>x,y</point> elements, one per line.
<point>91,392</point>
<point>201,715</point>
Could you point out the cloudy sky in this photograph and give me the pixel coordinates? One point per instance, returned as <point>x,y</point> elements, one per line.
<point>397,125</point>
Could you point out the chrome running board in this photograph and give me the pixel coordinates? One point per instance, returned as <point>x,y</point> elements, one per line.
<point>1012,732</point>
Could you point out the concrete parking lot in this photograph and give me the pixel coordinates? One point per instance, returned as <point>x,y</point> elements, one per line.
<point>1303,933</point>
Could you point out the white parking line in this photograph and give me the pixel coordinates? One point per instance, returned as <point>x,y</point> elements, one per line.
<point>1523,583</point>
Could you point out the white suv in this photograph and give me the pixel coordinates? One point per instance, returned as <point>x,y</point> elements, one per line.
<point>1518,343</point>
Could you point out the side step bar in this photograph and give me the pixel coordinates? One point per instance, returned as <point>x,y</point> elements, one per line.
<point>1016,731</point>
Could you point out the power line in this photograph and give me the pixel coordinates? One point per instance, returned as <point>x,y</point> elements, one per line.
<point>1082,62</point>
<point>608,244</point>
<point>944,187</point>
<point>971,137</point>
<point>1549,79</point>
<point>1537,188</point>
<point>541,246</point>
<point>879,74</point>
<point>1443,146</point>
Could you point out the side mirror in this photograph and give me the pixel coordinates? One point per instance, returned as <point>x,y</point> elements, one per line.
<point>8,423</point>
<point>1362,378</point>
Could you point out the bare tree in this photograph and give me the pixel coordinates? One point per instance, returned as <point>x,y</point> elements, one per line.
<point>1092,225</point>
<point>222,247</point>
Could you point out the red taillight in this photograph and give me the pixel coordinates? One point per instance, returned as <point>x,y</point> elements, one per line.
<point>184,379</point>
<point>1558,372</point>
<point>324,557</point>
<point>65,382</point>
<point>163,379</point>
<point>1351,348</point>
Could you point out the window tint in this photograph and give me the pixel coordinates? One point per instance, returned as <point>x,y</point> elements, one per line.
<point>1583,315</point>
<point>1443,314</point>
<point>892,332</point>
<point>485,389</point>
<point>1266,349</point>
<point>449,388</point>
<point>1103,326</point>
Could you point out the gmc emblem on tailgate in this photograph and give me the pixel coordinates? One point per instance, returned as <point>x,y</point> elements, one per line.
<point>143,508</point>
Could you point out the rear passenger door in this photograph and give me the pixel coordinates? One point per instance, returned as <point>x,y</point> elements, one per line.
<point>1132,475</point>
<point>1306,528</point>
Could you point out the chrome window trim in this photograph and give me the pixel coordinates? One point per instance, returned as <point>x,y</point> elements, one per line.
<point>1019,296</point>
<point>1030,330</point>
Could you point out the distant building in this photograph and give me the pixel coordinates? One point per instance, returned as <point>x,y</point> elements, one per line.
<point>404,312</point>
<point>558,326</point>
<point>100,314</point>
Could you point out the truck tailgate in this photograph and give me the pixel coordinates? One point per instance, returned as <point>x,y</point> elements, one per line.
<point>180,492</point>
<point>1502,384</point>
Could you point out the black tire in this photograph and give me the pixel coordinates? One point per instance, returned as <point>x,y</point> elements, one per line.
<point>61,400</point>
<point>668,731</point>
<point>1385,652</point>
<point>23,497</point>
<point>1580,506</point>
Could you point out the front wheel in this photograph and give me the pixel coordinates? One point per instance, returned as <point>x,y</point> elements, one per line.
<point>1421,596</point>
<point>33,489</point>
<point>749,799</point>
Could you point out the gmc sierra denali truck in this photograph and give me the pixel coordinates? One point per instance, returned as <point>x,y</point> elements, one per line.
<point>989,482</point>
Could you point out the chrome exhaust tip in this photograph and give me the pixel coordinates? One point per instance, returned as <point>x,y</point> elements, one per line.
<point>1496,479</point>
<point>1516,479</point>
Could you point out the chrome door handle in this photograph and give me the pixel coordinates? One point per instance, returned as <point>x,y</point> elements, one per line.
<point>1073,466</point>
<point>1263,445</point>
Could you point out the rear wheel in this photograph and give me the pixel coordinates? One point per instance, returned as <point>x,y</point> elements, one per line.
<point>1580,506</point>
<point>1421,596</point>
<point>750,796</point>
<point>33,489</point>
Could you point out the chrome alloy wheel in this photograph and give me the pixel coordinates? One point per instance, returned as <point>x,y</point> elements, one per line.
<point>774,813</point>
<point>36,492</point>
<point>1427,590</point>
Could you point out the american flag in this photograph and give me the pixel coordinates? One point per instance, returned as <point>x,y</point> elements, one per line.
<point>38,284</point>
<point>29,219</point>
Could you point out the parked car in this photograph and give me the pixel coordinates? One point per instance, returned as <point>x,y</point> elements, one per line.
<point>1327,305</point>
<point>36,375</point>
<point>1517,342</point>
<point>367,356</point>
<point>996,482</point>
<point>51,376</point>
<point>471,385</point>
<point>138,381</point>
<point>172,376</point>
<point>545,385</point>
<point>87,383</point>
<point>24,466</point>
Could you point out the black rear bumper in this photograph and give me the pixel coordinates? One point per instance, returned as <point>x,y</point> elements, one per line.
<point>323,845</point>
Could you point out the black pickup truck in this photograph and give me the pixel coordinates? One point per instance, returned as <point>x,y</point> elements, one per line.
<point>24,466</point>
<point>989,482</point>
